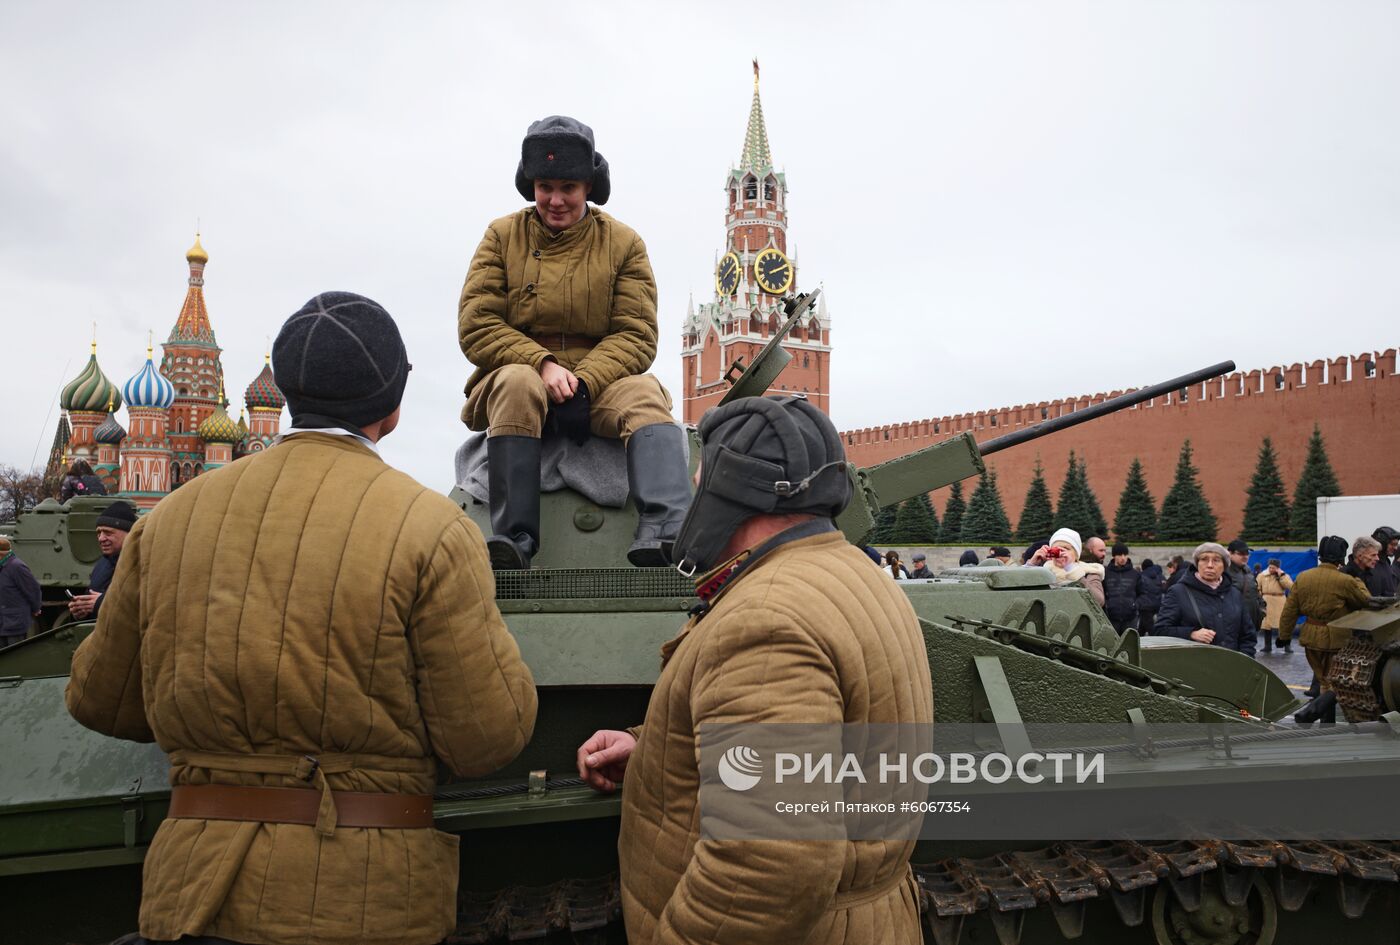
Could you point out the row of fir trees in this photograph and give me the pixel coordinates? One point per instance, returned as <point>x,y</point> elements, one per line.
<point>1184,515</point>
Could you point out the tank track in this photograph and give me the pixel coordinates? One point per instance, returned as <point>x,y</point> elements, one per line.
<point>1190,876</point>
<point>1353,678</point>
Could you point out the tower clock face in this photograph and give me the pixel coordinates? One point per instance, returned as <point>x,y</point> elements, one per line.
<point>773,271</point>
<point>727,274</point>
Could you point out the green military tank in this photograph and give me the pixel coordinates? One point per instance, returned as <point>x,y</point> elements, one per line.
<point>1006,649</point>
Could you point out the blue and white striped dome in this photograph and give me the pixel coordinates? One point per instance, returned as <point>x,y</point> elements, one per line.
<point>149,389</point>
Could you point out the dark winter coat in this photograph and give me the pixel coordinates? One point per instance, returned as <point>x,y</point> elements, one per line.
<point>1120,591</point>
<point>1189,605</point>
<point>101,578</point>
<point>80,485</point>
<point>1244,579</point>
<point>1151,584</point>
<point>19,596</point>
<point>921,571</point>
<point>1380,580</point>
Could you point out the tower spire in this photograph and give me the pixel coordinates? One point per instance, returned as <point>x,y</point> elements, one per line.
<point>756,155</point>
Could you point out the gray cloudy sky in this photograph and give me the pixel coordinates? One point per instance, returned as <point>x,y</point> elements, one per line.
<point>1005,201</point>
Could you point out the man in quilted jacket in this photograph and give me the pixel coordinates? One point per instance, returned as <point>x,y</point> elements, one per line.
<point>768,644</point>
<point>558,315</point>
<point>308,633</point>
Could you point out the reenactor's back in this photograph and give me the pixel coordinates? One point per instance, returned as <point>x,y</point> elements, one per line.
<point>308,632</point>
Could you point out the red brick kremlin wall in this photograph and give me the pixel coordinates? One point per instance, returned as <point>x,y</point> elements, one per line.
<point>1358,411</point>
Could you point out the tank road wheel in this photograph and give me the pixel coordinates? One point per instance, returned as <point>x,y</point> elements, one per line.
<point>1215,921</point>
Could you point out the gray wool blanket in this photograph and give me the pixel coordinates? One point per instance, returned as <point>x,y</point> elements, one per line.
<point>597,469</point>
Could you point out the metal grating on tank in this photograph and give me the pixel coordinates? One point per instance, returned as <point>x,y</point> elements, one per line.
<point>576,583</point>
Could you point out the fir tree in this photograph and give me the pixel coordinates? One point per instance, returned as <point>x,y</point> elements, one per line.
<point>914,524</point>
<point>986,520</point>
<point>1266,510</point>
<point>1099,523</point>
<point>884,525</point>
<point>1136,518</point>
<point>1315,481</point>
<point>1072,510</point>
<point>927,503</point>
<point>953,510</point>
<point>1186,515</point>
<point>1037,516</point>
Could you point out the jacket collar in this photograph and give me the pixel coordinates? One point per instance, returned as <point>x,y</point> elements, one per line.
<point>343,440</point>
<point>542,238</point>
<point>712,585</point>
<point>1196,584</point>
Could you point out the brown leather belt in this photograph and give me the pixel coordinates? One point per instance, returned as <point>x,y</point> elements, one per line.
<point>560,341</point>
<point>275,805</point>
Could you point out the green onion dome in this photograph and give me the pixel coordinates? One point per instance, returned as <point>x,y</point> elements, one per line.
<point>90,390</point>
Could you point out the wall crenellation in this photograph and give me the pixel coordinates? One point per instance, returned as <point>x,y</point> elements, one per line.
<point>1256,382</point>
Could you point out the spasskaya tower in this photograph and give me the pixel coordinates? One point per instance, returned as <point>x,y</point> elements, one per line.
<point>752,274</point>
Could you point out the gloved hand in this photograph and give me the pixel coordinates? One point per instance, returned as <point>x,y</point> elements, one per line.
<point>571,417</point>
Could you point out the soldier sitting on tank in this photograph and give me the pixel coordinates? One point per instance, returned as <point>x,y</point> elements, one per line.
<point>558,315</point>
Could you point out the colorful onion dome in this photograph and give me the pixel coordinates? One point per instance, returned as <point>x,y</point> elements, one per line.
<point>109,431</point>
<point>149,388</point>
<point>263,391</point>
<point>90,390</point>
<point>218,428</point>
<point>196,253</point>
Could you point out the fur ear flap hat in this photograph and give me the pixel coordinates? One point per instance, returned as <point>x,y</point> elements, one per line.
<point>561,148</point>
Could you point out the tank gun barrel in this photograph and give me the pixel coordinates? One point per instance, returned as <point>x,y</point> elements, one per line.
<point>1094,411</point>
<point>960,456</point>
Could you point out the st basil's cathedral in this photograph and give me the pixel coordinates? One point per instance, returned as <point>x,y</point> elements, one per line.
<point>178,425</point>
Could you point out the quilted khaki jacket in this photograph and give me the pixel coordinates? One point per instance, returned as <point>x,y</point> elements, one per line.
<point>305,600</point>
<point>809,633</point>
<point>1323,594</point>
<point>592,279</point>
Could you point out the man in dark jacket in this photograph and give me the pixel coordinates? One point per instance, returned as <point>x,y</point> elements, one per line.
<point>920,566</point>
<point>1242,576</point>
<point>1206,607</point>
<point>1150,585</point>
<point>1388,567</point>
<point>1370,565</point>
<point>20,601</point>
<point>112,525</point>
<point>1120,589</point>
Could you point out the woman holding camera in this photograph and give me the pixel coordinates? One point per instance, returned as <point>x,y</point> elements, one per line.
<point>1061,559</point>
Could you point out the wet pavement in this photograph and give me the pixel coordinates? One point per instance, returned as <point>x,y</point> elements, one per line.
<point>1291,668</point>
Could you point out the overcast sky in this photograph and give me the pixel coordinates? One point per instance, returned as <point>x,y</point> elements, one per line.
<point>1005,202</point>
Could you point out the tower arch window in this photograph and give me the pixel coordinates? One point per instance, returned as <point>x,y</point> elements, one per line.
<point>750,188</point>
<point>770,189</point>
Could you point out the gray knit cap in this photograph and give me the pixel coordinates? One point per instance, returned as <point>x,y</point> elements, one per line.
<point>1209,548</point>
<point>340,357</point>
